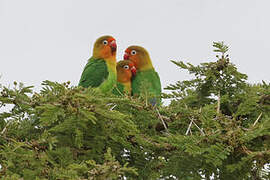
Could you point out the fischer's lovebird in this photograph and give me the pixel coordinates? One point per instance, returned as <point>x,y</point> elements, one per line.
<point>125,71</point>
<point>147,81</point>
<point>100,71</point>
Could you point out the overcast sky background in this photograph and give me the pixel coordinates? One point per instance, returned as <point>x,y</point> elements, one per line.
<point>53,39</point>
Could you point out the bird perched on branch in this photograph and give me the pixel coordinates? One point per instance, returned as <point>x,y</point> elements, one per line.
<point>125,71</point>
<point>100,71</point>
<point>147,81</point>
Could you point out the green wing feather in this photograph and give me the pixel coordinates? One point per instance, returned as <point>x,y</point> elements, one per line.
<point>94,74</point>
<point>147,82</point>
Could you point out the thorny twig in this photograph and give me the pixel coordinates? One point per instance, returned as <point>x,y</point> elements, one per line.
<point>189,126</point>
<point>114,105</point>
<point>200,110</point>
<point>5,128</point>
<point>160,117</point>
<point>257,119</point>
<point>218,105</point>
<point>199,128</point>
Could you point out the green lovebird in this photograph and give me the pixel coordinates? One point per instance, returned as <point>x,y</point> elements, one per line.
<point>147,81</point>
<point>100,71</point>
<point>125,71</point>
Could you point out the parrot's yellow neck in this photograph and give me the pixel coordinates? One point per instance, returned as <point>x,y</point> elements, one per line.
<point>111,63</point>
<point>147,65</point>
<point>144,63</point>
<point>110,82</point>
<point>127,87</point>
<point>145,68</point>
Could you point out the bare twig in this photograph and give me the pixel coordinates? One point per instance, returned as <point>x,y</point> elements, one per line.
<point>189,126</point>
<point>114,105</point>
<point>199,128</point>
<point>5,128</point>
<point>218,107</point>
<point>167,119</point>
<point>257,119</point>
<point>160,117</point>
<point>200,110</point>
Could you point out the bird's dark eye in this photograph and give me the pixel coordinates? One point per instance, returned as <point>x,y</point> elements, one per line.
<point>105,42</point>
<point>133,52</point>
<point>126,67</point>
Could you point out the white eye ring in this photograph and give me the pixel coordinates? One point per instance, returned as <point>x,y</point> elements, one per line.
<point>105,42</point>
<point>133,52</point>
<point>126,67</point>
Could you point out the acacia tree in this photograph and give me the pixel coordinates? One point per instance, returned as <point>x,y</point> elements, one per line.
<point>217,125</point>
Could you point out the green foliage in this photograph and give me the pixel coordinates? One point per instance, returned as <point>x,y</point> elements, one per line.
<point>217,125</point>
<point>213,79</point>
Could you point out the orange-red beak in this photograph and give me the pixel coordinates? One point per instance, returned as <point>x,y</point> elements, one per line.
<point>133,70</point>
<point>126,56</point>
<point>113,45</point>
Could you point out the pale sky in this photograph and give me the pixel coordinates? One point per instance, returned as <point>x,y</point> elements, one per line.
<point>53,39</point>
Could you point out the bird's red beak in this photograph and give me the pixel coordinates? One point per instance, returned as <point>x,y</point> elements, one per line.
<point>133,70</point>
<point>113,45</point>
<point>126,56</point>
